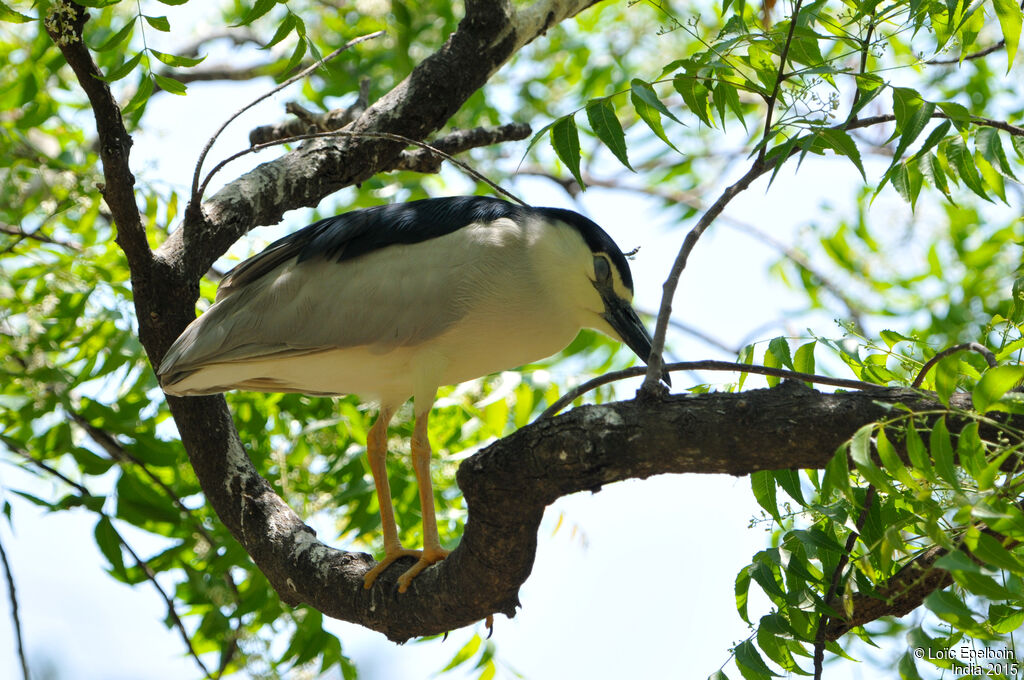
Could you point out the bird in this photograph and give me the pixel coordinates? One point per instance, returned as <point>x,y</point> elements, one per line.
<point>393,301</point>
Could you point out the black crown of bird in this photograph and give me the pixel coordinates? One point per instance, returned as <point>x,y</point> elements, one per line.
<point>394,301</point>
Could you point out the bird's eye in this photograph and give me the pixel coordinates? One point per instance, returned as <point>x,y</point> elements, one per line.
<point>602,270</point>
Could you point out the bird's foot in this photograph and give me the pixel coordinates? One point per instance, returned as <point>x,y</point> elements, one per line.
<point>425,559</point>
<point>428,556</point>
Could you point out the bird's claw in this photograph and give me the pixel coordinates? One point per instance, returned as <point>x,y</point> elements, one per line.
<point>424,557</point>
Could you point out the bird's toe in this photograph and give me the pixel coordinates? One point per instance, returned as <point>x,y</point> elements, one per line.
<point>427,557</point>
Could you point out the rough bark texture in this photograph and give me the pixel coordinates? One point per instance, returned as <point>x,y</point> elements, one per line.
<point>506,486</point>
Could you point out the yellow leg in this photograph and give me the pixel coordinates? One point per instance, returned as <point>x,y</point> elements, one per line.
<point>377,451</point>
<point>432,550</point>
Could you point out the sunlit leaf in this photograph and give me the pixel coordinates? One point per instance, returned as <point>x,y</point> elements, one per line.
<point>606,125</point>
<point>565,140</point>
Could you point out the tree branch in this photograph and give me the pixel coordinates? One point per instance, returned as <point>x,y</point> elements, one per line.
<point>507,486</point>
<point>307,121</point>
<point>15,619</point>
<point>64,23</point>
<point>84,492</point>
<point>426,161</point>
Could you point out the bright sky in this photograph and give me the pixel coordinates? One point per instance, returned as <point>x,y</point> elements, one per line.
<point>637,582</point>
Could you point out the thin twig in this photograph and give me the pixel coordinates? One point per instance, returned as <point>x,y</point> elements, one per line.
<point>139,562</point>
<point>851,540</point>
<point>973,346</point>
<point>196,194</point>
<point>13,593</point>
<point>706,365</point>
<point>367,135</point>
<point>655,361</point>
<point>974,55</point>
<point>37,235</point>
<point>119,453</point>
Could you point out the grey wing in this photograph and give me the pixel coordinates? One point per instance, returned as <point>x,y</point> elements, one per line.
<point>398,296</point>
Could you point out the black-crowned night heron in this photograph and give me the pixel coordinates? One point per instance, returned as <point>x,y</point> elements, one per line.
<point>392,302</point>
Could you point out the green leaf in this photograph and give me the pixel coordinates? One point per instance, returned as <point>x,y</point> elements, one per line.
<point>300,51</point>
<point>994,383</point>
<point>960,158</point>
<point>695,96</point>
<point>958,114</point>
<point>779,347</point>
<point>1009,14</point>
<point>991,552</point>
<point>118,38</point>
<point>763,484</point>
<point>124,69</point>
<point>950,608</point>
<point>565,139</point>
<point>1005,619</point>
<point>10,16</point>
<point>860,453</point>
<point>464,654</point>
<point>907,180</point>
<point>283,30</point>
<point>842,143</point>
<point>803,359</point>
<point>178,61</point>
<point>789,480</point>
<point>891,460</point>
<point>649,108</point>
<point>141,96</point>
<point>917,453</point>
<point>970,451</point>
<point>159,23</point>
<point>913,115</point>
<point>169,85</point>
<point>742,590</point>
<point>988,143</point>
<point>260,8</point>
<point>942,453</point>
<point>605,124</point>
<point>750,663</point>
<point>109,543</point>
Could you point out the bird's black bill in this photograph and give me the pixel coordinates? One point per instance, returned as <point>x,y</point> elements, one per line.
<point>623,319</point>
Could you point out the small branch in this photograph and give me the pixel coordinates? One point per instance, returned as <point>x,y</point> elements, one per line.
<point>774,97</point>
<point>902,594</point>
<point>15,619</point>
<point>37,235</point>
<point>427,161</point>
<point>139,562</point>
<point>369,135</point>
<point>655,360</point>
<point>226,72</point>
<point>196,195</point>
<point>238,37</point>
<point>974,55</point>
<point>973,346</point>
<point>706,365</point>
<point>306,122</point>
<point>864,51</point>
<point>172,613</point>
<point>837,576</point>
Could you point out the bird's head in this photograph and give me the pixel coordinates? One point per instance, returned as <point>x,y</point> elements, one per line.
<point>607,270</point>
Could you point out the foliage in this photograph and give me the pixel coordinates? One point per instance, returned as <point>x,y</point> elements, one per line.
<point>908,93</point>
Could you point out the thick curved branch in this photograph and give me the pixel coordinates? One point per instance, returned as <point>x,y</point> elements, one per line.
<point>508,485</point>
